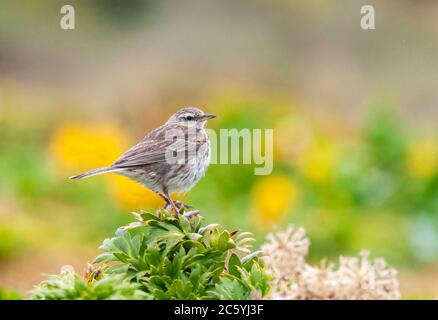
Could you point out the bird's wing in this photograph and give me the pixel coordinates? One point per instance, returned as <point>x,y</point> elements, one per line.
<point>154,151</point>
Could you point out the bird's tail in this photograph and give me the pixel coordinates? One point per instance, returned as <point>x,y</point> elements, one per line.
<point>94,172</point>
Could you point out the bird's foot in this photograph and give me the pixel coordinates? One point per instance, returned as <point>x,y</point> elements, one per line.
<point>178,204</point>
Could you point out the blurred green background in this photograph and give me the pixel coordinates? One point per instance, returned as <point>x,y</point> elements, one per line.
<point>354,117</point>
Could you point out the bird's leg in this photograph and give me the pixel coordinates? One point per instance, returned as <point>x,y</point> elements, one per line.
<point>177,203</point>
<point>170,201</point>
<point>162,196</point>
<point>176,206</point>
<point>166,205</point>
<point>180,204</point>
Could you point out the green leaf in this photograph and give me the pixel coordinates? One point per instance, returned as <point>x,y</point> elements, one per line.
<point>251,256</point>
<point>149,216</point>
<point>121,256</point>
<point>233,265</point>
<point>122,244</point>
<point>208,228</point>
<point>194,236</point>
<point>222,243</point>
<point>185,224</point>
<point>104,257</point>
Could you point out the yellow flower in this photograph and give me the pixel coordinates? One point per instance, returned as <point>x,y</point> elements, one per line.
<point>75,147</point>
<point>317,164</point>
<point>422,158</point>
<point>131,195</point>
<point>272,197</point>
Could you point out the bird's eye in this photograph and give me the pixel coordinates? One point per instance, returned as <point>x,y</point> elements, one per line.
<point>189,118</point>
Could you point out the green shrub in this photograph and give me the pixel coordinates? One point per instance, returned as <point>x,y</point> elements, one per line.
<point>69,286</point>
<point>160,257</point>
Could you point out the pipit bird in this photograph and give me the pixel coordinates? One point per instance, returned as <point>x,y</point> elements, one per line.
<point>171,158</point>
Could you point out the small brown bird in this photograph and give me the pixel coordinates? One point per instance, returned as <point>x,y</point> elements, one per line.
<point>171,158</point>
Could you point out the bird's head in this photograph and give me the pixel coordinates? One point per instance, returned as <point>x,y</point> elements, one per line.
<point>191,116</point>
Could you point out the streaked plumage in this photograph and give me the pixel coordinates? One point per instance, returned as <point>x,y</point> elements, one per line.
<point>148,161</point>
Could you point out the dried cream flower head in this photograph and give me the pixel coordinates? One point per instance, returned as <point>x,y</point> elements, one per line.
<point>355,278</point>
<point>286,250</point>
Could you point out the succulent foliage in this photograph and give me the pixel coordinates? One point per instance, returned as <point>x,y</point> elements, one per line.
<point>160,257</point>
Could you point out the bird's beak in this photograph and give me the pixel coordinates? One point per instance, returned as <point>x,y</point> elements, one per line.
<point>207,116</point>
